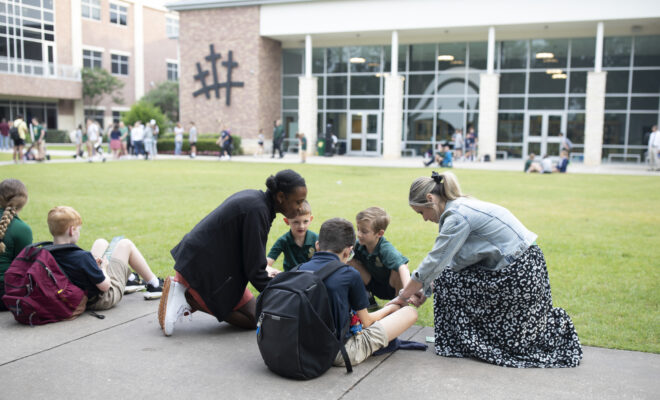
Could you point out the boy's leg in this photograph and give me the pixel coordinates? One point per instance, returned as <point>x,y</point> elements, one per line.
<point>364,273</point>
<point>128,253</point>
<point>395,281</point>
<point>99,247</point>
<point>399,321</point>
<point>244,314</point>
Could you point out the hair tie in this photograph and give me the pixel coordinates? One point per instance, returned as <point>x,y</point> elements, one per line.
<point>437,177</point>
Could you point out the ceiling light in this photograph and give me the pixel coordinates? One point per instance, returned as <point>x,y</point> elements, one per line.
<point>542,56</point>
<point>550,60</point>
<point>458,62</point>
<point>446,57</point>
<point>553,71</point>
<point>559,76</point>
<point>357,60</point>
<point>373,64</point>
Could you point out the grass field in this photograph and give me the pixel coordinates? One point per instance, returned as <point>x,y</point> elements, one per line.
<point>599,233</point>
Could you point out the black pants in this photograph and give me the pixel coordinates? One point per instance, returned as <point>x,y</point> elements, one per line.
<point>277,145</point>
<point>2,293</point>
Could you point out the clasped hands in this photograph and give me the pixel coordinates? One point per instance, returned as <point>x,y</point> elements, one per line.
<point>417,299</point>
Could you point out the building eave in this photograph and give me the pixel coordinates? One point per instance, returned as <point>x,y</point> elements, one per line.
<point>186,5</point>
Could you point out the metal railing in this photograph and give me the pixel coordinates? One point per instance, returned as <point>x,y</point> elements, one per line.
<point>45,69</point>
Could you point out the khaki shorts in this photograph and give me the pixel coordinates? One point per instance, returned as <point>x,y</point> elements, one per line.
<point>118,272</point>
<point>360,347</point>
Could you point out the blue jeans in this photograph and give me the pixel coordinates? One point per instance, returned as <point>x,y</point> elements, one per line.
<point>5,142</point>
<point>177,148</point>
<point>138,147</point>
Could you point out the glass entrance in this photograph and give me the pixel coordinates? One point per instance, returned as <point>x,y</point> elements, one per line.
<point>542,133</point>
<point>364,134</point>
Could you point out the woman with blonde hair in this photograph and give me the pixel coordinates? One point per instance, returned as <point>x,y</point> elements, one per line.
<point>490,280</point>
<point>15,234</point>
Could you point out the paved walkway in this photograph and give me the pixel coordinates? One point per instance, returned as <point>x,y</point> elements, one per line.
<point>404,162</point>
<point>126,355</point>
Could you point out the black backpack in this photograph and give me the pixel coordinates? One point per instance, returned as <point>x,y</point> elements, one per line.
<point>13,133</point>
<point>296,332</point>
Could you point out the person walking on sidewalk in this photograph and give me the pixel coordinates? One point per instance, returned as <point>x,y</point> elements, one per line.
<point>227,249</point>
<point>278,138</point>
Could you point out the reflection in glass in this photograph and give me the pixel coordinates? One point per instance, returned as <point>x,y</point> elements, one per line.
<point>510,127</point>
<point>290,104</point>
<point>478,55</point>
<point>446,125</point>
<point>451,84</point>
<point>420,103</point>
<point>545,103</point>
<point>578,82</point>
<point>647,51</point>
<point>371,56</point>
<point>644,103</point>
<point>387,53</point>
<point>336,60</point>
<point>616,103</point>
<point>364,85</point>
<point>318,59</point>
<point>511,103</point>
<point>336,104</point>
<point>617,82</point>
<point>365,104</point>
<point>513,54</point>
<point>421,84</point>
<point>292,60</point>
<point>640,127</point>
<point>554,125</point>
<point>290,86</point>
<point>535,125</point>
<point>337,85</point>
<point>575,128</point>
<point>614,130</point>
<point>643,81</point>
<point>616,51</point>
<point>512,83</point>
<point>335,122</point>
<point>456,50</point>
<point>558,47</point>
<point>541,82</point>
<point>583,52</point>
<point>420,126</point>
<point>450,103</point>
<point>577,103</point>
<point>422,57</point>
<point>511,151</point>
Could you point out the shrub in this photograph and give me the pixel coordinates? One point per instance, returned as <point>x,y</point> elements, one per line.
<point>57,136</point>
<point>205,145</point>
<point>145,112</point>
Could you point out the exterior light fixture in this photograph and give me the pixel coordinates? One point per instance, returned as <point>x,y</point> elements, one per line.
<point>558,76</point>
<point>446,57</point>
<point>553,71</point>
<point>544,55</point>
<point>357,60</point>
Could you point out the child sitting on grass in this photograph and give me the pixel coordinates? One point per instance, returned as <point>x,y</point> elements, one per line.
<point>383,269</point>
<point>103,277</point>
<point>346,292</point>
<point>297,244</point>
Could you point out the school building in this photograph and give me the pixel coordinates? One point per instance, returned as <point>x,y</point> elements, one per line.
<point>393,78</point>
<point>45,43</point>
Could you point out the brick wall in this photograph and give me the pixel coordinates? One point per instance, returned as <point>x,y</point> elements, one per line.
<point>253,106</point>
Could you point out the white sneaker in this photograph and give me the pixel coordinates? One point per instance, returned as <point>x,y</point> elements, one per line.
<point>173,305</point>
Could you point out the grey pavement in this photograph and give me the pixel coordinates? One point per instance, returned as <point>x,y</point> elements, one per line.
<point>126,355</point>
<point>613,168</point>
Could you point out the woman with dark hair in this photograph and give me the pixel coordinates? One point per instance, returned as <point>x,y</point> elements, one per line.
<point>490,280</point>
<point>227,249</point>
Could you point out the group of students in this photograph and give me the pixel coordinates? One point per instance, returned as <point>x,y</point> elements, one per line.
<point>102,274</point>
<point>140,140</point>
<point>492,298</point>
<point>18,132</point>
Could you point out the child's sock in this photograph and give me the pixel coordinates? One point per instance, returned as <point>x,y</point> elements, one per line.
<point>154,282</point>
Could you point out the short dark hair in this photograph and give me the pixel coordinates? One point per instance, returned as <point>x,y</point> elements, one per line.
<point>335,235</point>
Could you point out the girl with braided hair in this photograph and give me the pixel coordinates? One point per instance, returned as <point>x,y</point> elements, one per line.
<point>15,234</point>
<point>490,280</point>
<point>227,249</point>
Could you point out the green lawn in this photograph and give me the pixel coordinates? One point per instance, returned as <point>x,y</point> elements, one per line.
<point>599,233</point>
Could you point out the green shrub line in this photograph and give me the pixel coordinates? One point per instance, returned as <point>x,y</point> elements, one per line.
<point>205,145</point>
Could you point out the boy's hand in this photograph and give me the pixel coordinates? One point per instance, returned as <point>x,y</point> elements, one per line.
<point>272,271</point>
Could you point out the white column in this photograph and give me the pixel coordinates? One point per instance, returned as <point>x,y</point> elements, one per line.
<point>307,100</point>
<point>393,112</point>
<point>598,65</point>
<point>595,118</point>
<point>489,89</point>
<point>491,50</point>
<point>76,59</point>
<point>308,56</point>
<point>138,49</point>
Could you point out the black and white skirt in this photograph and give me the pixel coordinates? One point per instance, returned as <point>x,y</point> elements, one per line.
<point>504,317</point>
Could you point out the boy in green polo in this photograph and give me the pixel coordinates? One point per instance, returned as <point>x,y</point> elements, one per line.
<point>298,245</point>
<point>383,269</point>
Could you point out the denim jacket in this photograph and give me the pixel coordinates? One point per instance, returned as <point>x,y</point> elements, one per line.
<point>473,232</point>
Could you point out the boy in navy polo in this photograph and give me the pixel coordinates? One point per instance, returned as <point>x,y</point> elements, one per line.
<point>297,244</point>
<point>383,269</point>
<point>346,292</point>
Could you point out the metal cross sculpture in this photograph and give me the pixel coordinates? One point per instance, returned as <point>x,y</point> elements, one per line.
<point>216,86</point>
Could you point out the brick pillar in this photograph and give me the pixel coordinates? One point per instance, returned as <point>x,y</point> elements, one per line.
<point>488,105</point>
<point>393,117</point>
<point>308,110</point>
<point>595,118</point>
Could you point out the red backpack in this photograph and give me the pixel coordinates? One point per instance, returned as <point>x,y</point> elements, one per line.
<point>37,291</point>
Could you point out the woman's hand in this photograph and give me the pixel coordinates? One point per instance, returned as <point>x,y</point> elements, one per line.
<point>397,301</point>
<point>418,299</point>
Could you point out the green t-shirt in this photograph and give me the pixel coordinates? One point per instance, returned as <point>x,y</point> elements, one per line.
<point>124,135</point>
<point>294,254</point>
<point>37,132</point>
<point>385,258</point>
<point>17,237</point>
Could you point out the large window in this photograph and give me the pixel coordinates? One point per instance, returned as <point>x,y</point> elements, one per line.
<point>118,14</point>
<point>91,9</point>
<point>92,59</point>
<point>95,115</point>
<point>172,27</point>
<point>46,112</point>
<point>119,64</point>
<point>172,71</point>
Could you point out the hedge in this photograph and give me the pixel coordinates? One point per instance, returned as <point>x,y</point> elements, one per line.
<point>204,146</point>
<point>57,136</point>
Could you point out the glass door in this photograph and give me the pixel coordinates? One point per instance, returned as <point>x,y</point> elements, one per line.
<point>542,133</point>
<point>364,134</point>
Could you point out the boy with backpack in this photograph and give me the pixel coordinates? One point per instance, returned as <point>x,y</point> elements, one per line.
<point>102,276</point>
<point>346,292</point>
<point>298,245</point>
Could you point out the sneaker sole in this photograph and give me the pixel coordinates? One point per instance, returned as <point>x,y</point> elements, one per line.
<point>133,289</point>
<point>152,295</point>
<point>162,307</point>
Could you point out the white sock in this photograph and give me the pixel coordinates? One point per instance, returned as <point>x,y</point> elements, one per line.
<point>154,282</point>
<point>132,277</point>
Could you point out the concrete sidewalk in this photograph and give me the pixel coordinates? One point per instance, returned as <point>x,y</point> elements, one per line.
<point>126,355</point>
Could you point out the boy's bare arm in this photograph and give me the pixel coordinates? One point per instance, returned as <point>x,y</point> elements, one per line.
<point>404,274</point>
<point>368,318</point>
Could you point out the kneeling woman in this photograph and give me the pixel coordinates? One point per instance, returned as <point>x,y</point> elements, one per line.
<point>492,293</point>
<point>227,249</point>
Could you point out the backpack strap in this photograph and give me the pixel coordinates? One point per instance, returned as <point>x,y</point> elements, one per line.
<point>55,247</point>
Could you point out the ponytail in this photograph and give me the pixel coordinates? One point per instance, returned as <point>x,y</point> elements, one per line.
<point>285,181</point>
<point>7,216</point>
<point>13,196</point>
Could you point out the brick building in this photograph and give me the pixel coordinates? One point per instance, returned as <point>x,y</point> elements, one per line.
<point>45,43</point>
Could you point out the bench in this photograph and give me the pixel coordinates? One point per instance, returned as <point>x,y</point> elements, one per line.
<point>502,153</point>
<point>409,152</point>
<point>623,156</point>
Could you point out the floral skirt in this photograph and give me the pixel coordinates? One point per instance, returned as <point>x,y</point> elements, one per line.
<point>504,317</point>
